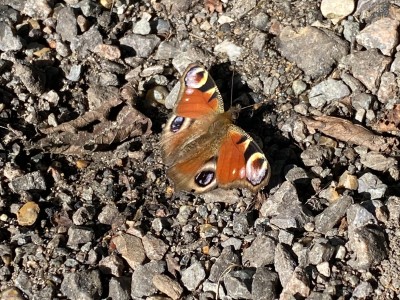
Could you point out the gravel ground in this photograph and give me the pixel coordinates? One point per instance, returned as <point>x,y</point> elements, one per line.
<point>86,210</point>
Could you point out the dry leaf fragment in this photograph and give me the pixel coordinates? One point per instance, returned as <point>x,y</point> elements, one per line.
<point>389,121</point>
<point>113,122</point>
<point>348,132</point>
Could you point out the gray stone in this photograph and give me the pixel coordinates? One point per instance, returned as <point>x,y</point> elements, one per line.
<point>142,278</point>
<point>33,78</point>
<point>285,196</point>
<point>112,265</point>
<point>119,288</point>
<point>141,27</point>
<point>90,8</point>
<point>314,50</point>
<point>359,216</point>
<point>260,253</point>
<point>381,34</point>
<point>168,286</point>
<point>295,216</point>
<point>363,290</point>
<point>131,249</point>
<point>87,42</point>
<point>369,245</point>
<point>66,24</point>
<point>241,8</point>
<point>298,285</point>
<point>155,248</point>
<point>79,235</point>
<point>261,21</point>
<point>224,261</point>
<point>37,9</point>
<point>284,264</point>
<point>27,182</point>
<point>377,161</point>
<point>238,283</point>
<point>353,83</point>
<point>350,30</point>
<point>143,45</point>
<point>83,285</point>
<point>388,88</point>
<point>331,215</point>
<point>315,155</point>
<point>74,73</point>
<point>337,9</point>
<point>8,40</point>
<point>242,222</point>
<point>8,13</point>
<point>322,251</point>
<point>230,49</point>
<point>361,66</point>
<point>319,296</point>
<point>265,283</point>
<point>285,237</point>
<point>108,214</point>
<point>327,91</point>
<point>166,50</point>
<point>372,185</point>
<point>271,83</point>
<point>83,215</point>
<point>361,101</point>
<point>193,276</point>
<point>235,242</point>
<point>299,86</point>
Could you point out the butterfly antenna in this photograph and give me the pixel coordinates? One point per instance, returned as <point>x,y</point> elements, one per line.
<point>233,74</point>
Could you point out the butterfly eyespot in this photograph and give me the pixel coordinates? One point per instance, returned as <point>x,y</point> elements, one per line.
<point>204,178</point>
<point>177,123</point>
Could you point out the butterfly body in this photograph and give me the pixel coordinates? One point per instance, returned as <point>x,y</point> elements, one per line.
<point>202,147</point>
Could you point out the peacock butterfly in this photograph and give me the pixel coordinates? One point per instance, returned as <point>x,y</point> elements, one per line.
<point>202,147</point>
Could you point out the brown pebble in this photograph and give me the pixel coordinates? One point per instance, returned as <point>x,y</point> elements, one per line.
<point>28,214</point>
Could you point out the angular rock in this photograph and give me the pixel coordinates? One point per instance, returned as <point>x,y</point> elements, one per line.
<point>241,8</point>
<point>369,245</point>
<point>142,278</point>
<point>327,219</point>
<point>388,88</point>
<point>242,222</point>
<point>377,161</point>
<point>298,285</point>
<point>363,290</point>
<point>238,283</point>
<point>143,45</point>
<point>193,276</point>
<point>327,91</point>
<point>82,285</point>
<point>79,235</point>
<point>321,252</point>
<point>285,196</point>
<point>367,66</point>
<point>295,216</point>
<point>381,34</point>
<point>142,27</point>
<point>155,248</point>
<point>37,9</point>
<point>33,78</point>
<point>337,9</point>
<point>87,42</point>
<point>8,40</point>
<point>112,265</point>
<point>315,51</point>
<point>315,155</point>
<point>284,264</point>
<point>168,286</point>
<point>265,283</point>
<point>119,288</point>
<point>260,253</point>
<point>224,261</point>
<point>232,50</point>
<point>131,249</point>
<point>66,24</point>
<point>372,186</point>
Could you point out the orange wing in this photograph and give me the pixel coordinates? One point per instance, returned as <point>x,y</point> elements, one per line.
<point>198,96</point>
<point>241,163</point>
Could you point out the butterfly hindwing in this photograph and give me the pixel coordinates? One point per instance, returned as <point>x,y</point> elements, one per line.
<point>241,162</point>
